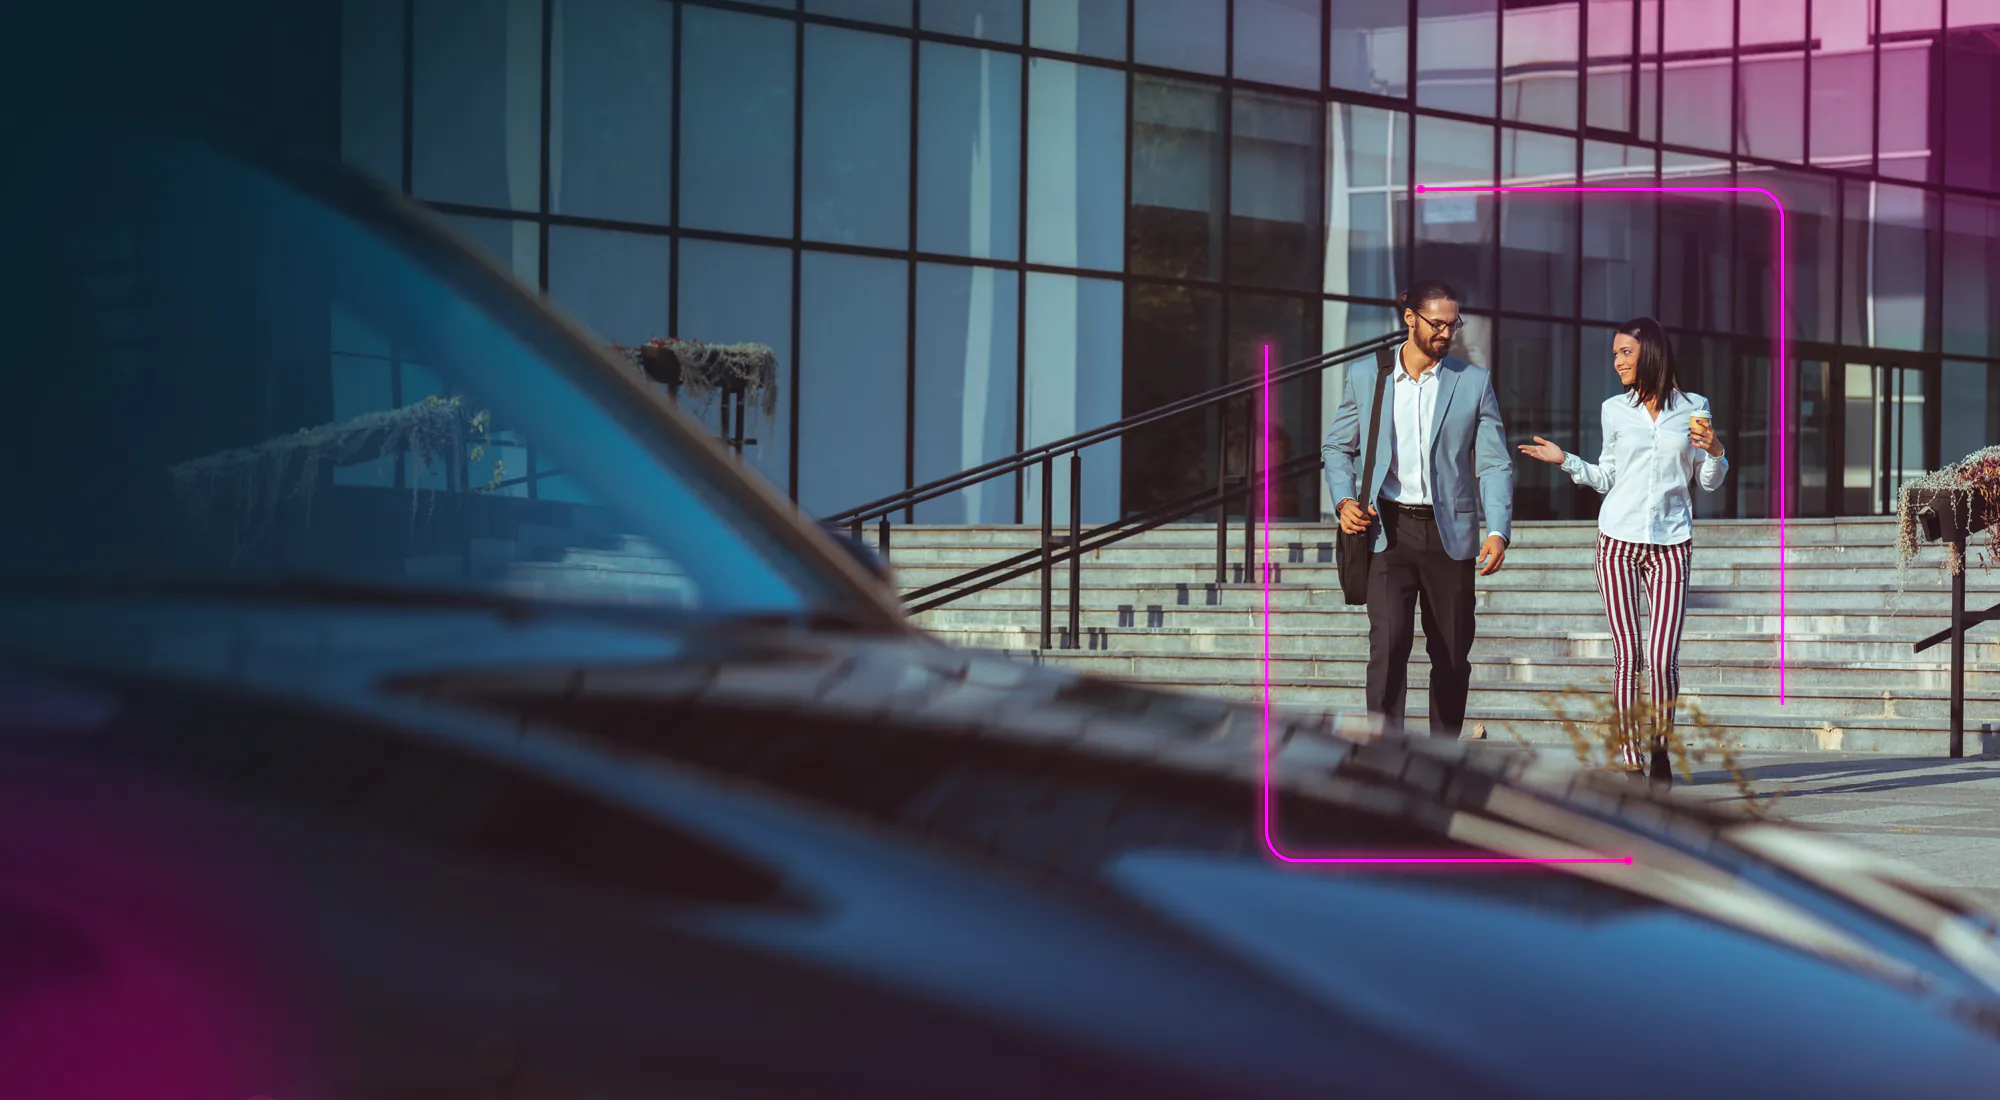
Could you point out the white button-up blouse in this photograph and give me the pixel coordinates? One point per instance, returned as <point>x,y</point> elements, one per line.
<point>1645,470</point>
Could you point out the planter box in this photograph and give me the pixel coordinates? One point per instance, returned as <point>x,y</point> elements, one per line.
<point>1945,514</point>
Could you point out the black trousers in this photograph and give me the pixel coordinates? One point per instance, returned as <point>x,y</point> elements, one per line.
<point>1414,571</point>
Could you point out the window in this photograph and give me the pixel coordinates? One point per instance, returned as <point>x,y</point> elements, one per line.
<point>1287,327</point>
<point>1173,350</point>
<point>1811,237</point>
<point>969,152</point>
<point>736,107</point>
<point>371,88</point>
<point>1539,72</point>
<point>993,20</point>
<point>1971,288</point>
<point>852,382</point>
<point>1610,64</point>
<point>1177,159</point>
<point>1276,161</point>
<point>1538,232</point>
<point>1772,85</point>
<point>1699,43</point>
<point>1076,165</point>
<point>967,352</point>
<point>1899,299</point>
<point>618,284</point>
<point>857,138</point>
<point>1906,106</point>
<point>1619,234</point>
<point>477,103</point>
<point>1277,42</point>
<point>1182,34</point>
<point>1368,43</point>
<point>1074,375</point>
<point>893,12</point>
<point>1971,126</point>
<point>515,245</point>
<point>1455,231</point>
<point>1370,171</point>
<point>1843,85</point>
<point>1455,54</point>
<point>1695,244</point>
<point>737,293</point>
<point>1536,384</point>
<point>1093,28</point>
<point>611,129</point>
<point>1971,413</point>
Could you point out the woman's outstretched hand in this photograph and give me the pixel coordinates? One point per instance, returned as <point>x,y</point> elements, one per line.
<point>1544,450</point>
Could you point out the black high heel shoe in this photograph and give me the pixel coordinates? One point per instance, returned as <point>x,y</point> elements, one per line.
<point>1663,769</point>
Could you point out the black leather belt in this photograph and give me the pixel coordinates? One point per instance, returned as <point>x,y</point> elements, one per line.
<point>1414,511</point>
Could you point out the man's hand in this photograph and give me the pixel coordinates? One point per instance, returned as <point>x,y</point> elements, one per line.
<point>1354,519</point>
<point>1491,555</point>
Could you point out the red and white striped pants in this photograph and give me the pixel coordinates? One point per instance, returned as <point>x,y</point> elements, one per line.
<point>1623,568</point>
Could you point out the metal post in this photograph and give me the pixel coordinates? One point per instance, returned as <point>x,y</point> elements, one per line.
<point>1075,640</point>
<point>1221,500</point>
<point>1251,481</point>
<point>882,539</point>
<point>1048,535</point>
<point>1958,647</point>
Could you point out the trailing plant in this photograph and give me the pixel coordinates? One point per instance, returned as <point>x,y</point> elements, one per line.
<point>1601,733</point>
<point>1975,481</point>
<point>292,467</point>
<point>703,371</point>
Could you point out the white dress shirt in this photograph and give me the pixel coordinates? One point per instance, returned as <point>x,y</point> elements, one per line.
<point>1645,470</point>
<point>1408,479</point>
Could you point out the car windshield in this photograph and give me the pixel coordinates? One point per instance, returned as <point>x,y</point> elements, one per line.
<point>222,377</point>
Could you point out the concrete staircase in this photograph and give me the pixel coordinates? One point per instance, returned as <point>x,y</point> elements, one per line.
<point>1152,613</point>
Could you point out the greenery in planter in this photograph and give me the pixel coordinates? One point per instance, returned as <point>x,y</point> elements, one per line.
<point>1978,474</point>
<point>706,370</point>
<point>292,467</point>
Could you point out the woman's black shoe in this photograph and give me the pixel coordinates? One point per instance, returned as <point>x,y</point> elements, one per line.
<point>1663,769</point>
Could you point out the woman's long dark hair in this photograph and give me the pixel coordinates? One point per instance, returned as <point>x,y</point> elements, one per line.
<point>1655,378</point>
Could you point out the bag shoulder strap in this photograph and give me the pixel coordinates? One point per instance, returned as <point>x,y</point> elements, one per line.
<point>1385,363</point>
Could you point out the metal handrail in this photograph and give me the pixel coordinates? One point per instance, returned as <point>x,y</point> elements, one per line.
<point>1014,463</point>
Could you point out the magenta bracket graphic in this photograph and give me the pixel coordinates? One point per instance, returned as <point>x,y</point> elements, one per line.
<point>1778,476</point>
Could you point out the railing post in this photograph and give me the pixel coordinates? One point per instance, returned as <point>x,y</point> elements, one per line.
<point>882,539</point>
<point>1048,536</point>
<point>1075,640</point>
<point>1251,482</point>
<point>1221,499</point>
<point>1958,647</point>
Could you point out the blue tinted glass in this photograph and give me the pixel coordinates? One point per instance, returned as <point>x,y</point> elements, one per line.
<point>894,12</point>
<point>736,294</point>
<point>371,88</point>
<point>1277,41</point>
<point>612,128</point>
<point>993,20</point>
<point>852,419</point>
<point>1075,356</point>
<point>477,103</point>
<point>966,363</point>
<point>857,138</point>
<point>1093,28</point>
<point>1076,165</point>
<point>1181,34</point>
<point>969,152</point>
<point>617,284</point>
<point>736,108</point>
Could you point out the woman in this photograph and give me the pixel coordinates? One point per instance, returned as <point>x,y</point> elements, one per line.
<point>1656,439</point>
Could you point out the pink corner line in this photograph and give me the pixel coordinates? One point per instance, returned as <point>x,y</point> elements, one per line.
<point>1778,401</point>
<point>1270,839</point>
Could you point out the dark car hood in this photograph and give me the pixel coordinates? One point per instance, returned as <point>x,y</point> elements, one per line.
<point>859,754</point>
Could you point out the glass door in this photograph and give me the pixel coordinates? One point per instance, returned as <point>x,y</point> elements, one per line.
<point>1888,425</point>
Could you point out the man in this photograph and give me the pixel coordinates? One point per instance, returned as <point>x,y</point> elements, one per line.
<point>1441,461</point>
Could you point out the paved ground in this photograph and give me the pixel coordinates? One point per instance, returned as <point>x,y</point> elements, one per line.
<point>1941,815</point>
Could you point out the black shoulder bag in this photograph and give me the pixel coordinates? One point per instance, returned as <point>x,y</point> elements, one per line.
<point>1353,553</point>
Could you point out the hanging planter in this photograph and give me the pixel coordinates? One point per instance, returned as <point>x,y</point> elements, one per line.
<point>1962,497</point>
<point>704,371</point>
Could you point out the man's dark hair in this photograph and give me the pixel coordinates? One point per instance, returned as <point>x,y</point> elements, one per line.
<point>1423,292</point>
<point>1655,377</point>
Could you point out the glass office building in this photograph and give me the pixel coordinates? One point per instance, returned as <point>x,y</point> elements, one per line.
<point>969,226</point>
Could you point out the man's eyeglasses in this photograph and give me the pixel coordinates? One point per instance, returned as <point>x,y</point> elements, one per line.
<point>1446,327</point>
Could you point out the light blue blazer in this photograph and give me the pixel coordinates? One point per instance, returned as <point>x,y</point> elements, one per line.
<point>1473,475</point>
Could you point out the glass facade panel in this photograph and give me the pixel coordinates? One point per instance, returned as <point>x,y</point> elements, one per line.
<point>1367,183</point>
<point>1535,379</point>
<point>1074,382</point>
<point>1173,349</point>
<point>1454,237</point>
<point>1843,85</point>
<point>1811,237</point>
<point>737,293</point>
<point>1772,82</point>
<point>852,364</point>
<point>1175,226</point>
<point>1076,165</point>
<point>1182,34</point>
<point>1902,228</point>
<point>1092,28</point>
<point>1697,81</point>
<point>1538,71</point>
<point>1456,42</point>
<point>737,93</point>
<point>1695,234</point>
<point>1369,47</point>
<point>969,152</point>
<point>1620,233</point>
<point>514,244</point>
<point>1906,106</point>
<point>476,103</point>
<point>1277,42</point>
<point>1812,459</point>
<point>1538,232</point>
<point>1972,87</point>
<point>1971,413</point>
<point>967,362</point>
<point>857,138</point>
<point>620,285</point>
<point>1276,163</point>
<point>1285,326</point>
<point>992,20</point>
<point>1609,70</point>
<point>1971,291</point>
<point>892,12</point>
<point>371,88</point>
<point>611,117</point>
